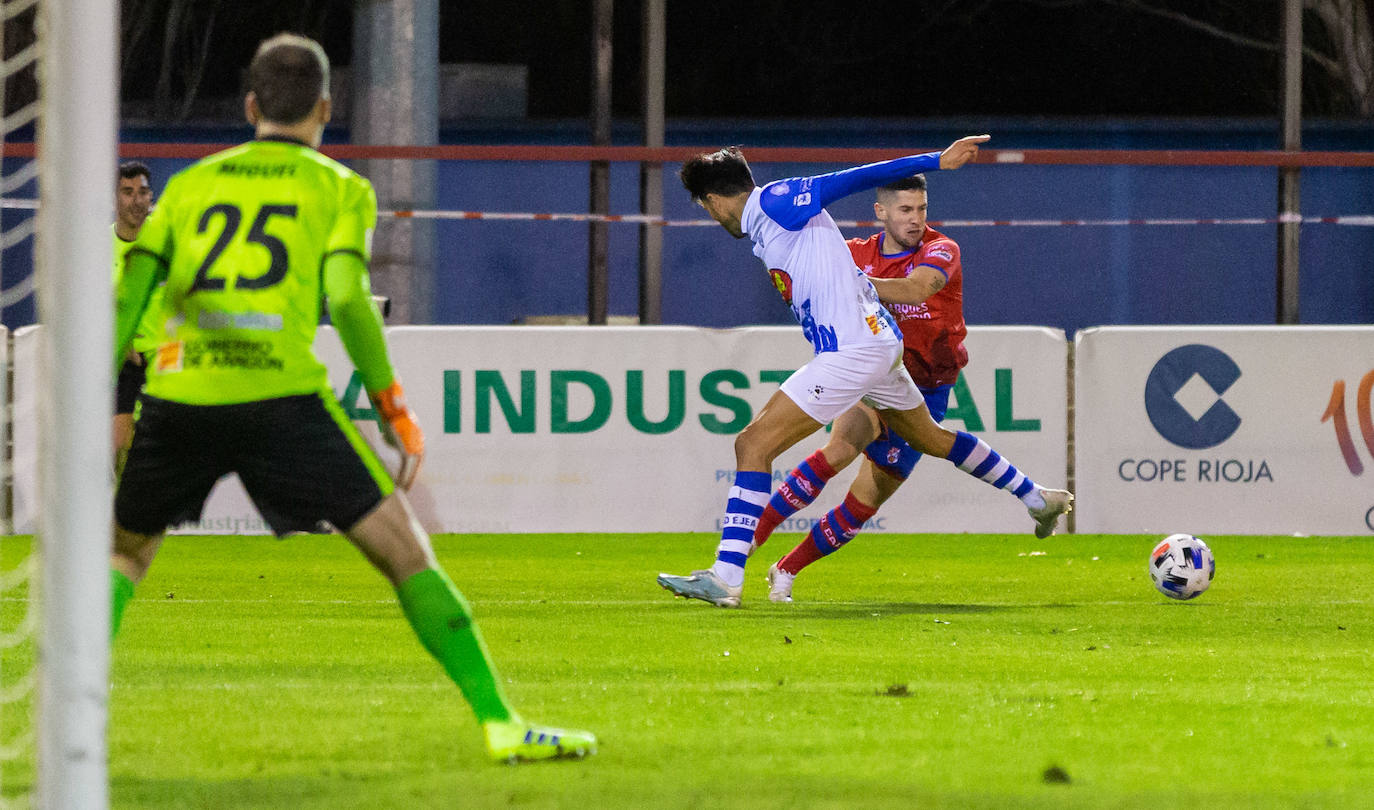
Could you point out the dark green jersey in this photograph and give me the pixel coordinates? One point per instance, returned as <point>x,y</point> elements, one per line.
<point>243,236</point>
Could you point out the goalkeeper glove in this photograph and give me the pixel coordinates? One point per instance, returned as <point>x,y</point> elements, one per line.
<point>400,429</point>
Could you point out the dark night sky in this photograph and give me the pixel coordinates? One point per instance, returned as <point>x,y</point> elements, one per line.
<point>796,58</point>
<point>793,58</point>
<point>768,57</point>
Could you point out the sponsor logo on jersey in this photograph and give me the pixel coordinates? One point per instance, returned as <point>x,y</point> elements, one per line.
<point>910,311</point>
<point>783,282</point>
<point>821,336</point>
<point>779,189</point>
<point>168,357</point>
<point>939,251</point>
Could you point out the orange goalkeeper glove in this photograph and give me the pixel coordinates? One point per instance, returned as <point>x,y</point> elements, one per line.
<point>401,431</point>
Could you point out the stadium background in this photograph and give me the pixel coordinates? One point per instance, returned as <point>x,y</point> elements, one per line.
<point>889,76</point>
<point>1067,277</point>
<point>981,670</point>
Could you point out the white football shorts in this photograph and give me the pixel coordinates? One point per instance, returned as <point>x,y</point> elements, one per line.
<point>833,382</point>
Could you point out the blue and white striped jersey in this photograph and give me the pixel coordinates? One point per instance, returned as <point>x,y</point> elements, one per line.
<point>807,257</point>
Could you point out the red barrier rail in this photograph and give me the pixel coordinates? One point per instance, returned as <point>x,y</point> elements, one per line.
<point>1361,220</point>
<point>677,154</point>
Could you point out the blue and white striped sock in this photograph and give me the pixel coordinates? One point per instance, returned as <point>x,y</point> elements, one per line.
<point>747,499</point>
<point>973,455</point>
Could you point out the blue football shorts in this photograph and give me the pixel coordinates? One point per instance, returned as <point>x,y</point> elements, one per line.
<point>890,452</point>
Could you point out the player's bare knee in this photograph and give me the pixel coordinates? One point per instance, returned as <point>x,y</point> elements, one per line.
<point>393,540</point>
<point>403,566</point>
<point>936,440</point>
<point>133,552</point>
<point>747,449</point>
<point>850,433</point>
<point>840,453</point>
<point>885,485</point>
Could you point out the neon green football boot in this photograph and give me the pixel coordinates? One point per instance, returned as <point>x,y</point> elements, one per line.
<point>515,741</point>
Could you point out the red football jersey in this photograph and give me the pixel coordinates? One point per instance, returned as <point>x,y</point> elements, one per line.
<point>934,329</point>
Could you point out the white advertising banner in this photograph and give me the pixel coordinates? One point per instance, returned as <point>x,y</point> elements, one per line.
<point>1224,430</point>
<point>631,429</point>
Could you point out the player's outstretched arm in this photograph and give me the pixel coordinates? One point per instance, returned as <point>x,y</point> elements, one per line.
<point>355,316</point>
<point>808,196</point>
<point>962,151</point>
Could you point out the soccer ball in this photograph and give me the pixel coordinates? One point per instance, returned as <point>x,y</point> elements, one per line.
<point>1182,566</point>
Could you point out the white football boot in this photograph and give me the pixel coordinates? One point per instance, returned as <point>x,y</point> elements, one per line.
<point>779,584</point>
<point>703,585</point>
<point>1057,502</point>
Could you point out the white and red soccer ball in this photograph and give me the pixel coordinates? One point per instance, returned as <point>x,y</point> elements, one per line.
<point>1181,566</point>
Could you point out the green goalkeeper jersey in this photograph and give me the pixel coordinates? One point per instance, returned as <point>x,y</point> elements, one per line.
<point>144,340</point>
<point>243,237</point>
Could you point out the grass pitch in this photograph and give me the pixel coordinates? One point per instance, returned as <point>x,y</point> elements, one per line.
<point>932,671</point>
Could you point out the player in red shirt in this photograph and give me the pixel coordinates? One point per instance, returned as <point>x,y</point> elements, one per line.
<point>918,275</point>
<point>922,284</point>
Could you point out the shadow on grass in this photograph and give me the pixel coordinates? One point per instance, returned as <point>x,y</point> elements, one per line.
<point>853,610</point>
<point>298,791</point>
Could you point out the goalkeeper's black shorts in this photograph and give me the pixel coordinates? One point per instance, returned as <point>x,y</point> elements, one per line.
<point>130,384</point>
<point>300,459</point>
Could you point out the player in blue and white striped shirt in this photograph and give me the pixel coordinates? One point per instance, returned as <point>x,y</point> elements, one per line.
<point>858,347</point>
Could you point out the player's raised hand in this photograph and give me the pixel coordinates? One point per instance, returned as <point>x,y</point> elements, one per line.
<point>962,151</point>
<point>401,430</point>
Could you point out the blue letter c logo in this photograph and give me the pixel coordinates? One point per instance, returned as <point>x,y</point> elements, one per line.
<point>1172,373</point>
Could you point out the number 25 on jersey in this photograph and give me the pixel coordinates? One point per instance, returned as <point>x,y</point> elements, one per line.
<point>229,218</point>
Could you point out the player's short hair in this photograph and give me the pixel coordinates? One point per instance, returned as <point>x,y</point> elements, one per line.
<point>130,169</point>
<point>916,182</point>
<point>288,75</point>
<point>723,172</point>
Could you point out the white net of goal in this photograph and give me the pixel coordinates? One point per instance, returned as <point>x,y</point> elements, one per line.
<point>18,561</point>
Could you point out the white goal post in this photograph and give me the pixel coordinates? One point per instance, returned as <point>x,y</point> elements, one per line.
<point>77,137</point>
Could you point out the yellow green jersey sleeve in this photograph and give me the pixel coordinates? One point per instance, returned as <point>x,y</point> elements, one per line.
<point>145,339</point>
<point>243,236</point>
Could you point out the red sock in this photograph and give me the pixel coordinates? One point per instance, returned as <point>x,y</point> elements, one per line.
<point>798,558</point>
<point>769,521</point>
<point>835,529</point>
<point>801,488</point>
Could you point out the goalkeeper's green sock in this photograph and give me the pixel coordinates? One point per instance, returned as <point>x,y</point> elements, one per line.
<point>441,618</point>
<point>121,591</point>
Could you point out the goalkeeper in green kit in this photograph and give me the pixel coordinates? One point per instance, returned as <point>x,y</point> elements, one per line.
<point>247,242</point>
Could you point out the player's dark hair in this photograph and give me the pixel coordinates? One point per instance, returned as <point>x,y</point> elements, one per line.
<point>916,182</point>
<point>288,75</point>
<point>133,168</point>
<point>724,172</point>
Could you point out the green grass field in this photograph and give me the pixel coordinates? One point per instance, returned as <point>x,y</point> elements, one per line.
<point>913,671</point>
